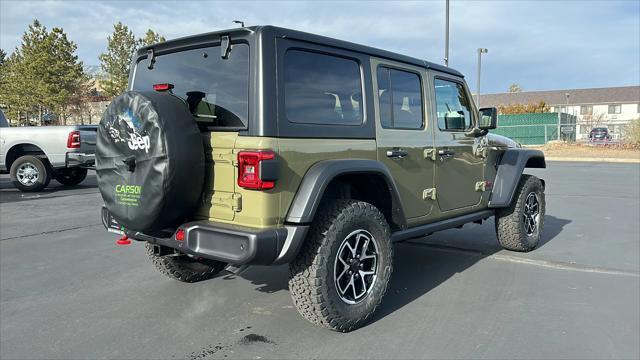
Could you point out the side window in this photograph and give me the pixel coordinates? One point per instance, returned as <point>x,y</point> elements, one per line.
<point>452,106</point>
<point>400,99</point>
<point>322,89</point>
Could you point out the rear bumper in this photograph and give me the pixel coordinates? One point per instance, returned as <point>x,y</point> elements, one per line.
<point>80,159</point>
<point>230,244</point>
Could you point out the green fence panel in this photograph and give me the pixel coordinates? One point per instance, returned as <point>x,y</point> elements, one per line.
<point>536,128</point>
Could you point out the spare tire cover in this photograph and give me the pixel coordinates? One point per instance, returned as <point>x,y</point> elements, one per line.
<point>149,160</point>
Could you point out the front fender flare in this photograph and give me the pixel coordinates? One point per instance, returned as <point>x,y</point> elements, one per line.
<point>318,177</point>
<point>510,168</point>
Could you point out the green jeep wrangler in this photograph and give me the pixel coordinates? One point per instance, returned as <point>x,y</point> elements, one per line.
<point>264,145</point>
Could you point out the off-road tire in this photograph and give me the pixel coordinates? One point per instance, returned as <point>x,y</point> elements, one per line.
<point>311,274</point>
<point>510,227</point>
<point>71,176</point>
<point>43,168</point>
<point>184,268</point>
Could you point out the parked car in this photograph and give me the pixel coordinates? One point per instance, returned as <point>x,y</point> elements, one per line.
<point>276,146</point>
<point>35,155</point>
<point>599,134</point>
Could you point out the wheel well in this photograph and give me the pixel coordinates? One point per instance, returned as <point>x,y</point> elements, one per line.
<point>536,162</point>
<point>371,188</point>
<point>22,149</point>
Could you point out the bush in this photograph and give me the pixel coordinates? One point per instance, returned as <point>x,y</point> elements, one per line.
<point>632,133</point>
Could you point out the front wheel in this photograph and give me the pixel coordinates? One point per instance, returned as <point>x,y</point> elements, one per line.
<point>520,225</point>
<point>343,269</point>
<point>71,176</point>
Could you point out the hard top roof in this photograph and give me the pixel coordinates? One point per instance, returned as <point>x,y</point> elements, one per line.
<point>268,30</point>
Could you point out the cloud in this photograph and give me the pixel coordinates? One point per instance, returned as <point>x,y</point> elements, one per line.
<point>538,44</point>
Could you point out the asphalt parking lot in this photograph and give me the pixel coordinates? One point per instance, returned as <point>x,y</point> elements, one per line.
<point>67,291</point>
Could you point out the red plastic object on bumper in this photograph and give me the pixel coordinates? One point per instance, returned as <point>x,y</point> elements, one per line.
<point>124,240</point>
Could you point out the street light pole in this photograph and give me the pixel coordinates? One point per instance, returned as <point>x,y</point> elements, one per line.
<point>446,35</point>
<point>480,52</point>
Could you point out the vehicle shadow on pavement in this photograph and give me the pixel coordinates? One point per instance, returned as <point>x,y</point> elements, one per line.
<point>420,265</point>
<point>9,193</point>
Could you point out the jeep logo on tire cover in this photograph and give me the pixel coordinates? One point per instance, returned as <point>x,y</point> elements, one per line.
<point>137,140</point>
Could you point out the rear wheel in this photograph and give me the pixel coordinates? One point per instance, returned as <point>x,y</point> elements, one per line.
<point>184,268</point>
<point>71,176</point>
<point>342,272</point>
<point>30,173</point>
<point>519,226</point>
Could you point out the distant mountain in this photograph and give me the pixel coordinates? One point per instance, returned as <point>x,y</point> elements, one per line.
<point>95,71</point>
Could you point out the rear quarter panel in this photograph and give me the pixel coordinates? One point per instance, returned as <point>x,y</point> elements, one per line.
<point>261,209</point>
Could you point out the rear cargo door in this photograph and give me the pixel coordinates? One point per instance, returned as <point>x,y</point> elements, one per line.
<point>216,90</point>
<point>219,199</point>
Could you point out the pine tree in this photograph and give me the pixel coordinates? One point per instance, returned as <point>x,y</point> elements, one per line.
<point>150,38</point>
<point>3,57</point>
<point>43,74</point>
<point>116,61</point>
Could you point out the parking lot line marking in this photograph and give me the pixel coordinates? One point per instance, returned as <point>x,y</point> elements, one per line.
<point>50,232</point>
<point>563,265</point>
<point>557,265</point>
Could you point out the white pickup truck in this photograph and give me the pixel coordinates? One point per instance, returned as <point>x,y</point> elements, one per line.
<point>35,155</point>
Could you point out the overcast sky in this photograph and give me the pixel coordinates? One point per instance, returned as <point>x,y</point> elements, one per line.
<point>541,45</point>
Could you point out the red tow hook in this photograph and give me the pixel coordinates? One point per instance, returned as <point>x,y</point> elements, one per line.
<point>124,240</point>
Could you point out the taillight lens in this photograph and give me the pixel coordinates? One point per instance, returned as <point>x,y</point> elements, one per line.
<point>180,235</point>
<point>162,87</point>
<point>249,169</point>
<point>73,140</point>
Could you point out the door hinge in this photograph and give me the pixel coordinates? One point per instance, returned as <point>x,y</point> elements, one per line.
<point>429,194</point>
<point>483,185</point>
<point>430,154</point>
<point>236,204</point>
<point>224,157</point>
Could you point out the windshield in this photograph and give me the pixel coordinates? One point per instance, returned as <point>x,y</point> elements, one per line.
<point>216,89</point>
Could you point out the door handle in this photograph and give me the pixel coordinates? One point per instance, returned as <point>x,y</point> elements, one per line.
<point>396,153</point>
<point>445,154</point>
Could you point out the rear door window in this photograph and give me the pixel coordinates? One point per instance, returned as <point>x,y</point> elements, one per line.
<point>322,89</point>
<point>400,99</point>
<point>216,89</point>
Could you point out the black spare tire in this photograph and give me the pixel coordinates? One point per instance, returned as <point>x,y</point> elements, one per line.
<point>149,160</point>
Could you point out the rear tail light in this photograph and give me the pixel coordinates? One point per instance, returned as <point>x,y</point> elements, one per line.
<point>249,165</point>
<point>162,87</point>
<point>73,140</point>
<point>180,235</point>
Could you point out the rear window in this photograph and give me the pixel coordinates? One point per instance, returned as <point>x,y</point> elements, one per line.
<point>322,89</point>
<point>216,89</point>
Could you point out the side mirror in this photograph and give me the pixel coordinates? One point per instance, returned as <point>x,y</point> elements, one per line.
<point>488,118</point>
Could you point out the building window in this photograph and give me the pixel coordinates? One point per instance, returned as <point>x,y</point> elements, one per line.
<point>614,109</point>
<point>586,110</point>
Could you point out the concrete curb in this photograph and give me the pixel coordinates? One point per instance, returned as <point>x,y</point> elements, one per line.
<point>581,159</point>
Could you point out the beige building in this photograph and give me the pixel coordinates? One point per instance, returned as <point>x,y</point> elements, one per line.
<point>613,107</point>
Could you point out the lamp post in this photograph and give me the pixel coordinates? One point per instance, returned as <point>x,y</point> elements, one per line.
<point>446,35</point>
<point>480,52</point>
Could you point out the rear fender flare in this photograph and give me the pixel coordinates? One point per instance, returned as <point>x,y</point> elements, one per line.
<point>510,168</point>
<point>320,175</point>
